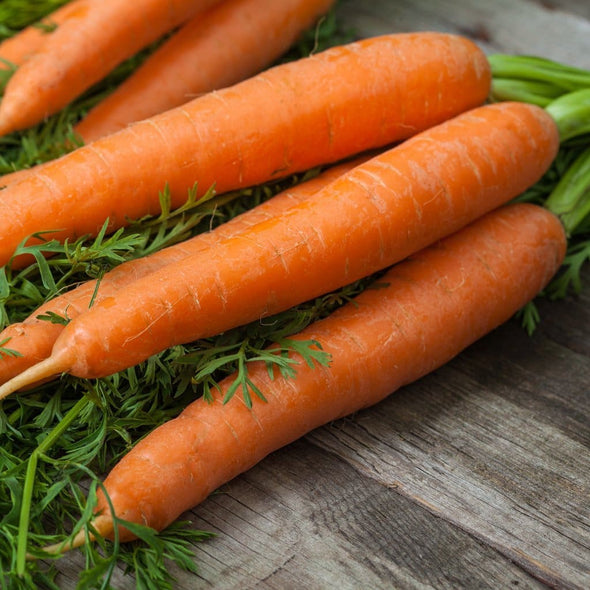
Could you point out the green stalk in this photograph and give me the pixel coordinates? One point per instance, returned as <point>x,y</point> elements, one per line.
<point>564,92</point>
<point>42,448</point>
<point>571,112</point>
<point>525,67</point>
<point>570,199</point>
<point>531,91</point>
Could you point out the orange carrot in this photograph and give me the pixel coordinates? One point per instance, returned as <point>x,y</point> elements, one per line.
<point>433,306</point>
<point>196,59</point>
<point>293,117</point>
<point>34,338</point>
<point>11,177</point>
<point>15,50</point>
<point>230,42</point>
<point>83,50</point>
<point>367,219</point>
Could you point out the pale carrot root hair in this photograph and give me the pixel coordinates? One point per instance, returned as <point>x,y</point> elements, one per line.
<point>269,126</point>
<point>213,50</point>
<point>82,50</point>
<point>426,311</point>
<point>33,338</point>
<point>367,219</point>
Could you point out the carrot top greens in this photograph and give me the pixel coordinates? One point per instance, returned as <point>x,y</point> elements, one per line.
<point>56,440</point>
<point>564,91</point>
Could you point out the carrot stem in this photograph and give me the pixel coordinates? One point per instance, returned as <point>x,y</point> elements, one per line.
<point>570,199</point>
<point>562,89</point>
<point>533,92</point>
<point>571,113</point>
<point>42,448</point>
<point>565,77</point>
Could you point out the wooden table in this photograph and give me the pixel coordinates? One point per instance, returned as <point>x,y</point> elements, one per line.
<point>477,476</point>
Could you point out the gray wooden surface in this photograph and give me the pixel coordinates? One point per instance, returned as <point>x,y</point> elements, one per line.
<point>477,476</point>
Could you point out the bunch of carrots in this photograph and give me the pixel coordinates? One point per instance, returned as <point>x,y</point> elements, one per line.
<point>335,196</point>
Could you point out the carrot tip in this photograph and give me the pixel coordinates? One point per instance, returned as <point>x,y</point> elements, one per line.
<point>103,524</point>
<point>64,546</point>
<point>6,125</point>
<point>5,129</point>
<point>47,368</point>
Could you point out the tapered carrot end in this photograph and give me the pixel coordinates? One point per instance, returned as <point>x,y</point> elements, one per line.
<point>5,128</point>
<point>103,525</point>
<point>10,118</point>
<point>42,371</point>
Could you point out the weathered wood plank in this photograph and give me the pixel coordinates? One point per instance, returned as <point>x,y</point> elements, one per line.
<point>466,443</point>
<point>573,7</point>
<point>506,26</point>
<point>570,328</point>
<point>306,519</point>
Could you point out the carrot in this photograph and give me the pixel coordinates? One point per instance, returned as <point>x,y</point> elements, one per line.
<point>34,338</point>
<point>367,219</point>
<point>195,60</point>
<point>433,306</point>
<point>11,177</point>
<point>17,49</point>
<point>83,50</point>
<point>228,43</point>
<point>293,117</point>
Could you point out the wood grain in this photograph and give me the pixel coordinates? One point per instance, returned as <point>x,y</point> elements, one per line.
<point>469,447</point>
<point>508,26</point>
<point>330,523</point>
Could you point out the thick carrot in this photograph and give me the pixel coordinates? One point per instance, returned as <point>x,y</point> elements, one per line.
<point>83,50</point>
<point>229,43</point>
<point>34,338</point>
<point>433,306</point>
<point>295,116</point>
<point>15,50</point>
<point>369,218</point>
<point>11,177</point>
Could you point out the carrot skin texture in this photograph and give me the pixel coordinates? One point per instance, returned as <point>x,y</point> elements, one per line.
<point>367,219</point>
<point>83,50</point>
<point>213,50</point>
<point>11,177</point>
<point>34,338</point>
<point>20,47</point>
<point>288,119</point>
<point>435,304</point>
